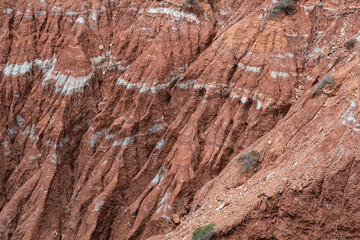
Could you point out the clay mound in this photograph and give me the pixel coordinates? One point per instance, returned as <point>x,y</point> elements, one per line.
<point>127,119</point>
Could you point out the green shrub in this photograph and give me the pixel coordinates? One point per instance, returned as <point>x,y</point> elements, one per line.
<point>193,6</point>
<point>203,233</point>
<point>285,6</point>
<point>193,2</point>
<point>328,80</point>
<point>250,160</point>
<point>262,195</point>
<point>349,44</point>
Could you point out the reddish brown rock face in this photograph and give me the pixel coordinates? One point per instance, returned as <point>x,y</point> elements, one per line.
<point>118,117</point>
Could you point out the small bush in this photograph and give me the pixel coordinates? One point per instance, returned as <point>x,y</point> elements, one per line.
<point>285,6</point>
<point>203,233</point>
<point>349,44</point>
<point>193,6</point>
<point>328,80</point>
<point>262,195</point>
<point>193,2</point>
<point>250,160</point>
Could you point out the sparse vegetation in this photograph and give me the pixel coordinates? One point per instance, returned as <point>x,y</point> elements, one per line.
<point>350,44</point>
<point>285,6</point>
<point>250,160</point>
<point>203,233</point>
<point>193,6</point>
<point>328,80</point>
<point>193,2</point>
<point>262,195</point>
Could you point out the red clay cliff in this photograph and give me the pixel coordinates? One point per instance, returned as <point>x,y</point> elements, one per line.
<point>128,119</point>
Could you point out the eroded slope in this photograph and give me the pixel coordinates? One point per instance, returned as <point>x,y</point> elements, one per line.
<point>116,113</point>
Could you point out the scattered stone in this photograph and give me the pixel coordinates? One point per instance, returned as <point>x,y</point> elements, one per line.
<point>222,206</point>
<point>176,219</point>
<point>100,106</point>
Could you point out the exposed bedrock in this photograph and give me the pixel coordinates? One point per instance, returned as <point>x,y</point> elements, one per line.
<point>117,116</point>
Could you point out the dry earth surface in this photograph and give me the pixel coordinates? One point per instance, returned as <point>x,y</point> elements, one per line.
<point>120,118</point>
